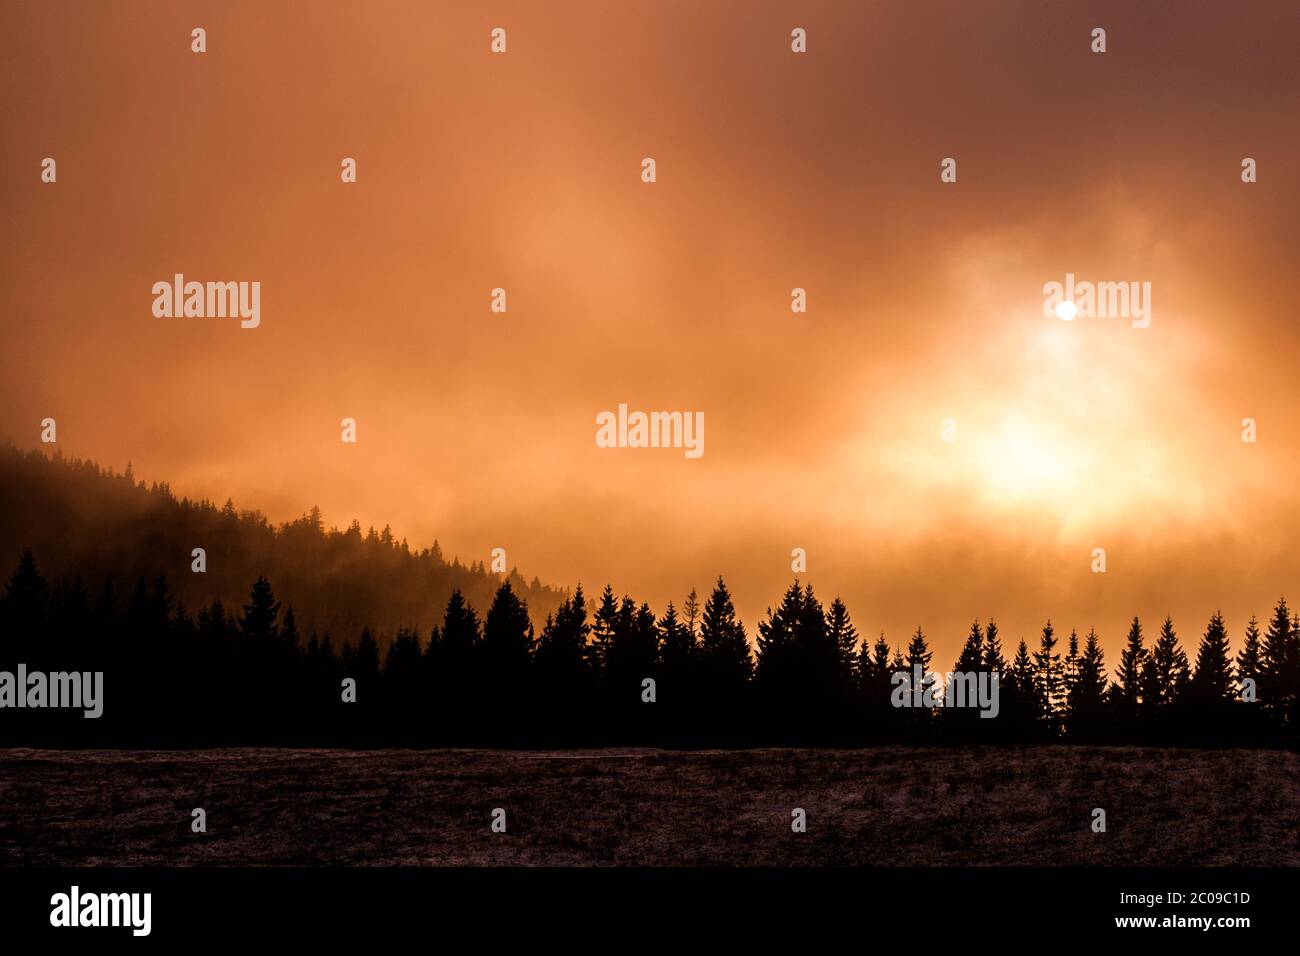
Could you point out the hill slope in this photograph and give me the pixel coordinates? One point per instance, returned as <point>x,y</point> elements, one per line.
<point>84,521</point>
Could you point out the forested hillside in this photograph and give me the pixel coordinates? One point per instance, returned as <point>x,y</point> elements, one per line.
<point>89,523</point>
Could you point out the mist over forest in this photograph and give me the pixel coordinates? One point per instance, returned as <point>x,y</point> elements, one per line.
<point>91,523</point>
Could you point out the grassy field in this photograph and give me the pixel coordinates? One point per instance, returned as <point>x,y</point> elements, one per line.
<point>885,806</point>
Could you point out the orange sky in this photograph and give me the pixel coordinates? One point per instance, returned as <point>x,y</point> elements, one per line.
<point>775,170</point>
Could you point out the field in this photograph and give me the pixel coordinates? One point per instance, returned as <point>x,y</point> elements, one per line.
<point>885,806</point>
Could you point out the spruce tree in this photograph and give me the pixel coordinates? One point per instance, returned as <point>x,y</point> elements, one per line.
<point>258,624</point>
<point>1070,672</point>
<point>1048,681</point>
<point>725,666</point>
<point>919,657</point>
<point>289,636</point>
<point>691,614</point>
<point>1278,664</point>
<point>1024,685</point>
<point>1212,681</point>
<point>919,653</point>
<point>724,652</point>
<point>677,656</point>
<point>1165,672</point>
<point>366,658</point>
<point>964,722</point>
<point>1131,664</point>
<point>562,650</point>
<point>971,656</point>
<point>604,623</point>
<point>776,658</point>
<point>507,644</point>
<point>994,662</point>
<point>843,636</point>
<point>632,654</point>
<point>1250,664</point>
<point>1087,695</point>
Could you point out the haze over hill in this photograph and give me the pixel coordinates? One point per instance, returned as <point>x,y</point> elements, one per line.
<point>82,521</point>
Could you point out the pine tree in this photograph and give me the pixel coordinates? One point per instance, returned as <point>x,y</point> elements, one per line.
<point>1048,681</point>
<point>289,635</point>
<point>1250,665</point>
<point>604,623</point>
<point>919,656</point>
<point>678,655</point>
<point>1212,682</point>
<point>24,606</point>
<point>994,662</point>
<point>1165,673</point>
<point>843,636</point>
<point>507,644</point>
<point>725,661</point>
<point>691,610</point>
<point>801,667</point>
<point>562,651</point>
<point>1131,664</point>
<point>632,654</point>
<point>258,624</point>
<point>971,656</point>
<point>366,658</point>
<point>1024,686</point>
<point>725,668</point>
<point>965,721</point>
<point>874,675</point>
<point>1280,665</point>
<point>882,667</point>
<point>863,668</point>
<point>402,663</point>
<point>1070,673</point>
<point>775,651</point>
<point>1087,694</point>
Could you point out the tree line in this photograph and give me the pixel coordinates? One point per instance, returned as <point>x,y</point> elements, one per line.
<point>609,671</point>
<point>83,519</point>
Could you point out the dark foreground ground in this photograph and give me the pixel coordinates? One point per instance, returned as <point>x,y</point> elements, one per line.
<point>886,806</point>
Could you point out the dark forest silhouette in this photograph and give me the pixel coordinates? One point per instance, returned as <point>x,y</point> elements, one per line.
<point>249,675</point>
<point>251,670</point>
<point>84,520</point>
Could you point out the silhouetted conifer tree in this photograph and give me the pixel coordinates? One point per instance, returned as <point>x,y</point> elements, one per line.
<point>1276,691</point>
<point>1212,682</point>
<point>1048,683</point>
<point>677,647</point>
<point>917,719</point>
<point>23,608</point>
<point>258,625</point>
<point>1086,701</point>
<point>366,658</point>
<point>994,662</point>
<point>1250,660</point>
<point>725,663</point>
<point>1131,665</point>
<point>1165,673</point>
<point>507,645</point>
<point>844,637</point>
<point>631,656</point>
<point>604,624</point>
<point>1070,667</point>
<point>964,722</point>
<point>678,655</point>
<point>1025,696</point>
